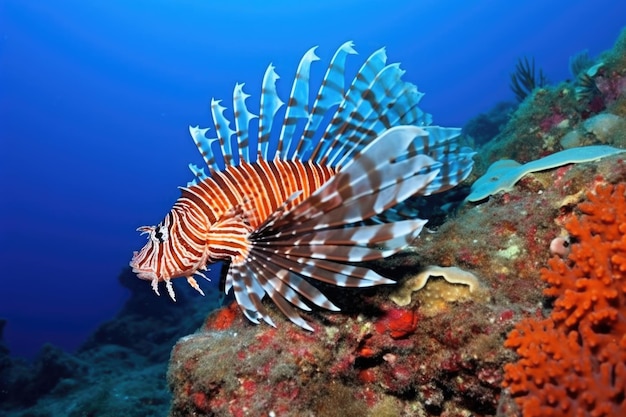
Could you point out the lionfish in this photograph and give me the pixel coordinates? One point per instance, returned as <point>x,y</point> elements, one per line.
<point>305,200</point>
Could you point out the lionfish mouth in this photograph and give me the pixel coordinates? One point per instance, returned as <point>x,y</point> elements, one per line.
<point>142,273</point>
<point>150,274</point>
<point>147,275</point>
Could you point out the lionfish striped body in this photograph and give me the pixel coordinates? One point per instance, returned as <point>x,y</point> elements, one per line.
<point>303,205</point>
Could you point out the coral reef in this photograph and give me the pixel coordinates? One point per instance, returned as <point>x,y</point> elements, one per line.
<point>440,354</point>
<point>580,62</point>
<point>383,359</point>
<point>23,383</point>
<point>601,128</point>
<point>551,112</point>
<point>119,371</point>
<point>486,126</point>
<point>573,362</point>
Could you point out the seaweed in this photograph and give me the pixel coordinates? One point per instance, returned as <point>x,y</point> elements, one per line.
<point>524,80</point>
<point>579,63</point>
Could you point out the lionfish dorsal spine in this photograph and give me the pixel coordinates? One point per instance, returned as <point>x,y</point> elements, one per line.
<point>204,146</point>
<point>442,145</point>
<point>374,101</point>
<point>243,116</point>
<point>269,106</point>
<point>372,113</point>
<point>224,132</point>
<point>366,74</point>
<point>297,106</point>
<point>330,93</point>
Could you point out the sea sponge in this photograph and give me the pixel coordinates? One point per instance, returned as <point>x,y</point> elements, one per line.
<point>503,174</point>
<point>573,363</point>
<point>603,126</point>
<point>440,293</point>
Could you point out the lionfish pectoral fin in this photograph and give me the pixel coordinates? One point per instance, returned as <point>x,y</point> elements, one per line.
<point>319,238</point>
<point>248,293</point>
<point>375,180</point>
<point>194,284</point>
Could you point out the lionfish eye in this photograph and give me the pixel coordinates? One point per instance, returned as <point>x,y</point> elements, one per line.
<point>160,233</point>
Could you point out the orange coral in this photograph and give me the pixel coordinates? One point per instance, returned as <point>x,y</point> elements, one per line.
<point>573,363</point>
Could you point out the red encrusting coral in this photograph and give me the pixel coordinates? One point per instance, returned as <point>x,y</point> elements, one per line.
<point>397,322</point>
<point>222,318</point>
<point>573,363</point>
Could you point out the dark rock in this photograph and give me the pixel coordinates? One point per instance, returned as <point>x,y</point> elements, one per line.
<point>487,126</point>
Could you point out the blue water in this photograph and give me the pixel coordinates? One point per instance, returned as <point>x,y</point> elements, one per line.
<point>96,97</point>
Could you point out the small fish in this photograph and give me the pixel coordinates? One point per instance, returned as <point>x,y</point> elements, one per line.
<point>302,201</point>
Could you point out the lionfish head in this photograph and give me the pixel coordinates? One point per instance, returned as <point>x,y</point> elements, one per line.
<point>167,255</point>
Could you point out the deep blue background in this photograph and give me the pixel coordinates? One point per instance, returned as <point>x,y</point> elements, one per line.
<point>96,97</point>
